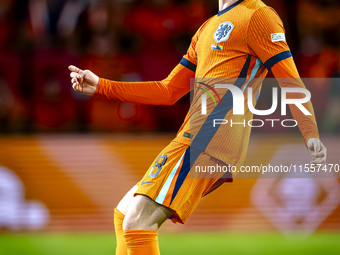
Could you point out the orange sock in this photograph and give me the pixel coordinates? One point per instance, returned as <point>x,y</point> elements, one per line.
<point>120,239</point>
<point>141,242</point>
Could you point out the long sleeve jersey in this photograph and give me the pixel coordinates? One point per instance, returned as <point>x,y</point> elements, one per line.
<point>237,46</point>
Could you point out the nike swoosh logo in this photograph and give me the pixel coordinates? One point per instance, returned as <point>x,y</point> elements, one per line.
<point>142,183</point>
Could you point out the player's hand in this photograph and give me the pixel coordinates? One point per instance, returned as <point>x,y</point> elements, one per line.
<point>317,151</point>
<point>83,81</point>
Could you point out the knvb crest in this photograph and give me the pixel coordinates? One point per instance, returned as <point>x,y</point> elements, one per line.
<point>223,32</point>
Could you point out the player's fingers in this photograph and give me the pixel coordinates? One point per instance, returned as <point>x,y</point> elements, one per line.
<point>74,85</point>
<point>324,151</point>
<point>319,160</point>
<point>74,69</point>
<point>79,76</point>
<point>73,74</point>
<point>77,87</point>
<point>317,146</point>
<point>319,154</point>
<point>319,163</point>
<point>74,80</point>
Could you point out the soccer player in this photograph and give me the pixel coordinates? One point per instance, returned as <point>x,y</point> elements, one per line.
<point>241,43</point>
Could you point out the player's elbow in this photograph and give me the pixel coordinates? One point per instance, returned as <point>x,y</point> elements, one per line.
<point>172,99</point>
<point>171,93</point>
<point>168,98</point>
<point>168,103</point>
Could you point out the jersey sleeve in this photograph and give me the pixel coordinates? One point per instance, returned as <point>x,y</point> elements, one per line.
<point>266,37</point>
<point>287,75</point>
<point>189,60</point>
<point>165,92</point>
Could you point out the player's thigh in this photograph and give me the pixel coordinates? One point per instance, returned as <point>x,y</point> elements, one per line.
<point>145,214</point>
<point>141,208</point>
<point>123,205</point>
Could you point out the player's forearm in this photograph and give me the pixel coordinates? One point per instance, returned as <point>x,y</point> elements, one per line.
<point>286,73</point>
<point>154,92</point>
<point>306,123</point>
<point>165,92</point>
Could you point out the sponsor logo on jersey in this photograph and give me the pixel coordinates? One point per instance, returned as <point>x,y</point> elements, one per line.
<point>216,47</point>
<point>223,31</point>
<point>277,37</point>
<point>188,135</point>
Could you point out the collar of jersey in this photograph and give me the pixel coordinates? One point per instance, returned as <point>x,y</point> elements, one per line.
<point>229,8</point>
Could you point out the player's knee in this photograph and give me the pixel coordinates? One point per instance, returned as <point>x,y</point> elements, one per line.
<point>138,216</point>
<point>133,222</point>
<point>145,214</point>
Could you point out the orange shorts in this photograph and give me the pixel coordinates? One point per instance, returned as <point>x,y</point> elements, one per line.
<point>168,180</point>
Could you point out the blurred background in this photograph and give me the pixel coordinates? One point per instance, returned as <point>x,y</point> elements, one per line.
<point>67,159</point>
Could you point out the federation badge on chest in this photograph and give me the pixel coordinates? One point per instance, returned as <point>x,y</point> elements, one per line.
<point>223,31</point>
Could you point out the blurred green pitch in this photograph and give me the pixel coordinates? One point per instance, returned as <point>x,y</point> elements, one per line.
<point>200,243</point>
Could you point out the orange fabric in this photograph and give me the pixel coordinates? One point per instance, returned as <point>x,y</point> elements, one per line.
<point>254,23</point>
<point>141,242</point>
<point>192,188</point>
<point>120,240</point>
<point>286,69</point>
<point>249,46</point>
<point>241,42</point>
<point>263,23</point>
<point>287,75</point>
<point>168,196</point>
<point>165,92</point>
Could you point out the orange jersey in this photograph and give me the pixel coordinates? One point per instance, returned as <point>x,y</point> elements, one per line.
<point>238,45</point>
<point>223,44</point>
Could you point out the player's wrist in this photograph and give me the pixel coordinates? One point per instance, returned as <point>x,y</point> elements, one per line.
<point>100,85</point>
<point>311,136</point>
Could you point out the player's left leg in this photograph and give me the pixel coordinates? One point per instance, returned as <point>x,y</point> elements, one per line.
<point>119,216</point>
<point>138,218</point>
<point>141,224</point>
<point>139,214</point>
<point>145,214</point>
<point>123,205</point>
<point>120,239</point>
<point>167,184</point>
